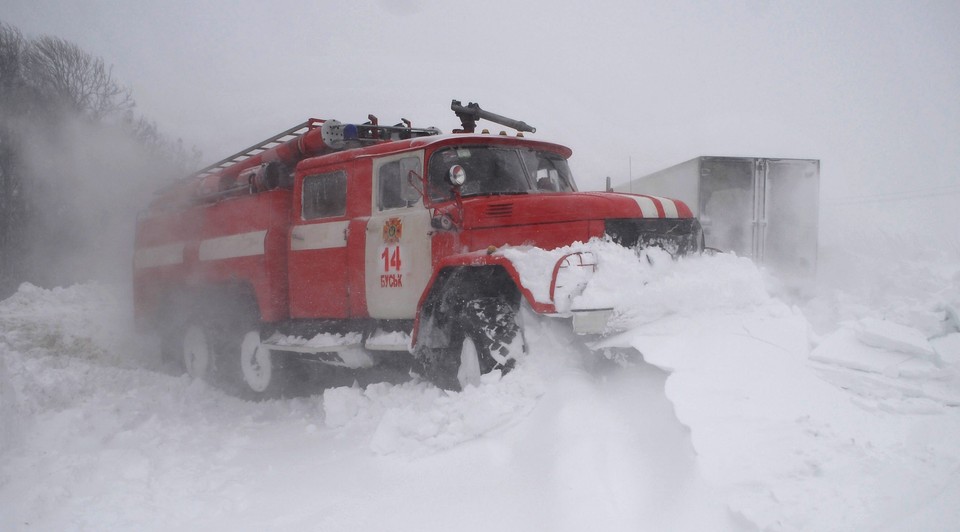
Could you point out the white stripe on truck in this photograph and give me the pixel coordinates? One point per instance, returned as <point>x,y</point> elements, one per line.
<point>319,236</point>
<point>649,208</point>
<point>154,256</point>
<point>233,246</point>
<point>669,207</point>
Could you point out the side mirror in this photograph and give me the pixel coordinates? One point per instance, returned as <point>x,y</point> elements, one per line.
<point>412,189</point>
<point>457,175</point>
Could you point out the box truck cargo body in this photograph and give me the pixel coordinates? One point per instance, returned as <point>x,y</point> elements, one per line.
<point>762,208</point>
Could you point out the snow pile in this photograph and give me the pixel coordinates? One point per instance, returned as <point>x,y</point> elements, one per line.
<point>790,450</point>
<point>804,433</point>
<point>83,320</point>
<point>645,287</point>
<point>891,336</point>
<point>655,285</point>
<point>106,448</point>
<point>896,368</point>
<point>419,419</point>
<point>891,330</point>
<point>557,444</point>
<point>921,293</point>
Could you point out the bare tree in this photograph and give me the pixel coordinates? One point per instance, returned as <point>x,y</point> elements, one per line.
<point>12,46</point>
<point>75,78</point>
<point>14,101</point>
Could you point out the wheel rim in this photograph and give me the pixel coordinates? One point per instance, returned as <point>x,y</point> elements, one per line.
<point>469,372</point>
<point>255,362</point>
<point>196,353</point>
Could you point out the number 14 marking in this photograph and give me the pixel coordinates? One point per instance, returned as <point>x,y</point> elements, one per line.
<point>391,260</point>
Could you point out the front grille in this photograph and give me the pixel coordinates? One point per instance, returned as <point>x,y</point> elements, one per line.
<point>678,236</point>
<point>499,210</point>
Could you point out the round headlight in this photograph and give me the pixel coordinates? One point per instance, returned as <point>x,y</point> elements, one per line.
<point>457,176</point>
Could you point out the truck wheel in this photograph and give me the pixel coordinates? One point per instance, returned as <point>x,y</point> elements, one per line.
<point>196,352</point>
<point>469,371</point>
<point>261,374</point>
<point>489,338</point>
<point>171,352</point>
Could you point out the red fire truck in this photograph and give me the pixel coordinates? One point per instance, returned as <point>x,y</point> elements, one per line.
<point>356,244</point>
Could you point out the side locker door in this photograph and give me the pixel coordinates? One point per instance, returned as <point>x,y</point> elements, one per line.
<point>398,261</point>
<point>318,247</point>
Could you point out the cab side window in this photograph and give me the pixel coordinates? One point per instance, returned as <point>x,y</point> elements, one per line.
<point>325,195</point>
<point>396,183</point>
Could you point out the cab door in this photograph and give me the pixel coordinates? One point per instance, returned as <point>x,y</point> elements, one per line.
<point>398,247</point>
<point>318,247</point>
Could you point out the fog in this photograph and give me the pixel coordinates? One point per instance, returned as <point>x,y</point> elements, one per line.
<point>869,88</point>
<point>89,181</point>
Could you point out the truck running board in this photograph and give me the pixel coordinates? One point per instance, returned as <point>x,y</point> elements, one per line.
<point>335,343</point>
<point>321,343</point>
<point>388,341</point>
<point>343,350</point>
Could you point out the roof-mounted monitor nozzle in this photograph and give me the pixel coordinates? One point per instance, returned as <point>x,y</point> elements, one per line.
<point>470,113</point>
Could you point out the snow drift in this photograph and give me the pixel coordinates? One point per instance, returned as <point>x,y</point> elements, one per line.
<point>746,410</point>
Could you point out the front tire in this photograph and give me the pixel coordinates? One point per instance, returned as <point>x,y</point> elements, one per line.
<point>469,371</point>
<point>488,337</point>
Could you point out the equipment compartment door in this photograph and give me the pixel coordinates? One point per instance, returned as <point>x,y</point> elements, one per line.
<point>318,248</point>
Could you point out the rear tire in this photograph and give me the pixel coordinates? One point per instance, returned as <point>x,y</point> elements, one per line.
<point>171,352</point>
<point>197,356</point>
<point>261,375</point>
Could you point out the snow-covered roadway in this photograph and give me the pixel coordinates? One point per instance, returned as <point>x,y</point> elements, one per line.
<point>748,411</point>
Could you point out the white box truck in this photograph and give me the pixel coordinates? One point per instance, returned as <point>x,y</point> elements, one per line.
<point>763,208</point>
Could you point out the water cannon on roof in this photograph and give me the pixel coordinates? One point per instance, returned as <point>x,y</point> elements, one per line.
<point>470,113</point>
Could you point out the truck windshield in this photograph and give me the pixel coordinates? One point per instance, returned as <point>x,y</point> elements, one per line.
<point>495,170</point>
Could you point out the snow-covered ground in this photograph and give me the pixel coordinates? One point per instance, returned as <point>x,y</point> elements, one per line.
<point>835,406</point>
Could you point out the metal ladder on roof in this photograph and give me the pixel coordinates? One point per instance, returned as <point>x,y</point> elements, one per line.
<point>369,131</point>
<point>260,147</point>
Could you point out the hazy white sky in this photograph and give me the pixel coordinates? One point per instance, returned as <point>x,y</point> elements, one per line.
<point>872,88</point>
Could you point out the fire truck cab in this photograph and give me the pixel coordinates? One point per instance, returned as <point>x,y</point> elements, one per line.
<point>353,244</point>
